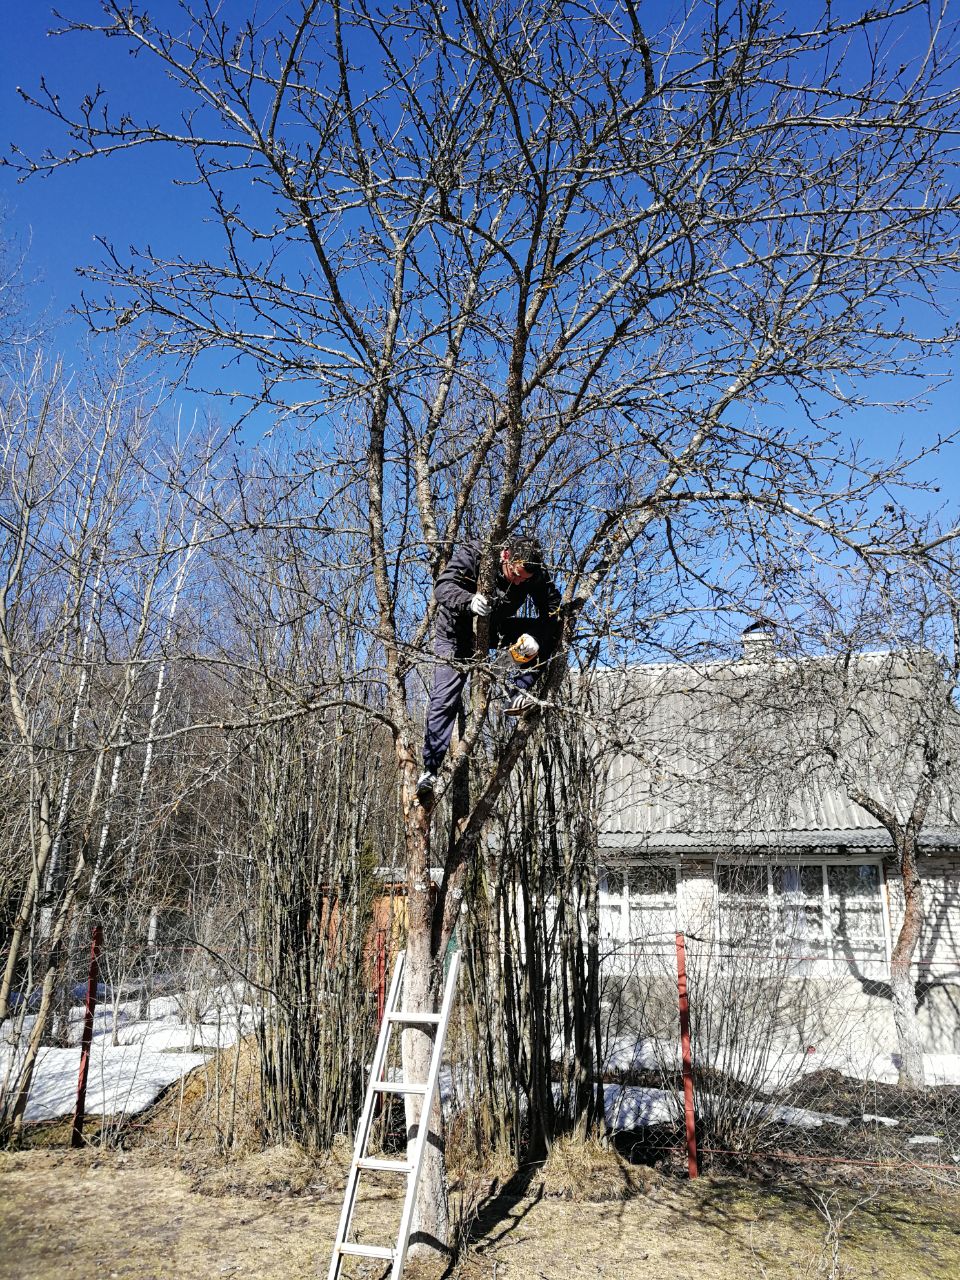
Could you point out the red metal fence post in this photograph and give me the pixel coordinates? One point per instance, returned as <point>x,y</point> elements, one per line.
<point>688,1113</point>
<point>76,1137</point>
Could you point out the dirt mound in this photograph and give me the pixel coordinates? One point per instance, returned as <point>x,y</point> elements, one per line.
<point>833,1092</point>
<point>216,1105</point>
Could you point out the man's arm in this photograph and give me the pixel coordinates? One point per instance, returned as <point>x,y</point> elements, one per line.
<point>457,585</point>
<point>546,599</point>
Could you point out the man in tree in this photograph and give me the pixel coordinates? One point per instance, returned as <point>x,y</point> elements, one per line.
<point>532,640</point>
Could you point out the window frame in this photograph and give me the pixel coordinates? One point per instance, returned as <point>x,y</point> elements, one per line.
<point>620,941</point>
<point>832,959</point>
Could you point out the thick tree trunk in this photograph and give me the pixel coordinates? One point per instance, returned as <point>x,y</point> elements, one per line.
<point>423,982</point>
<point>902,983</point>
<point>902,987</point>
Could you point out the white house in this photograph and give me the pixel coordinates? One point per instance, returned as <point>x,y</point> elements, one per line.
<point>728,813</point>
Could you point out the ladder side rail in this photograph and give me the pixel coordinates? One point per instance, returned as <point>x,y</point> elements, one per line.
<point>423,1124</point>
<point>363,1125</point>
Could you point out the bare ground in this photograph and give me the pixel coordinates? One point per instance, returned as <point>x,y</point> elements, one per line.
<point>67,1215</point>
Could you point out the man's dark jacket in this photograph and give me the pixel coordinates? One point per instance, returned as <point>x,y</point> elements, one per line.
<point>457,586</point>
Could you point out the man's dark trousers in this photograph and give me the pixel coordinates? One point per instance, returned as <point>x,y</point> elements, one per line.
<point>446,694</point>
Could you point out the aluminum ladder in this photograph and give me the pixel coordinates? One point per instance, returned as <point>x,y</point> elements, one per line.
<point>411,1166</point>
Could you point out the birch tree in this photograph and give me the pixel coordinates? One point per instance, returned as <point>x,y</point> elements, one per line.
<point>95,548</point>
<point>65,493</point>
<point>543,265</point>
<point>68,485</point>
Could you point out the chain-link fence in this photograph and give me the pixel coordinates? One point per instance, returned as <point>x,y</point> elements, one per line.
<point>789,1060</point>
<point>153,1013</point>
<point>785,1061</point>
<point>174,1027</point>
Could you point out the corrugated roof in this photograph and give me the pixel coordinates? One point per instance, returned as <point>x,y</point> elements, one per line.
<point>736,753</point>
<point>873,840</point>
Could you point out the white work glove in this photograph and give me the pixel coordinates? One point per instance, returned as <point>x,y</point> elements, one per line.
<point>480,605</point>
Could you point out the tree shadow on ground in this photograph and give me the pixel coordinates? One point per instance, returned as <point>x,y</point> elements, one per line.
<point>502,1211</point>
<point>653,1145</point>
<point>732,1205</point>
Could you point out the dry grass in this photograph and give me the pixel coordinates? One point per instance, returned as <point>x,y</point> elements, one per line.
<point>70,1215</point>
<point>211,1125</point>
<point>591,1170</point>
<point>275,1171</point>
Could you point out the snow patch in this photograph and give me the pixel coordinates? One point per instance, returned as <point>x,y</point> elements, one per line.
<point>122,1081</point>
<point>124,1078</point>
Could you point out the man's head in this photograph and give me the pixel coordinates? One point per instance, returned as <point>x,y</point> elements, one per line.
<point>521,557</point>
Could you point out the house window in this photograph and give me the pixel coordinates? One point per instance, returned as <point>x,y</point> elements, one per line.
<point>800,907</point>
<point>811,912</point>
<point>652,905</point>
<point>612,902</point>
<point>856,913</point>
<point>638,909</point>
<point>745,921</point>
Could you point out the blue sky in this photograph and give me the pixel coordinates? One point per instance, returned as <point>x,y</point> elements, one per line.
<point>57,220</point>
<point>133,199</point>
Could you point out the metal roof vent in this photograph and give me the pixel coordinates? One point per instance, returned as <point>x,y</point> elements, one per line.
<point>758,640</point>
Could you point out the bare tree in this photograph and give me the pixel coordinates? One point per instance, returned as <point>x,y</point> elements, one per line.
<point>890,729</point>
<point>67,488</point>
<point>93,554</point>
<point>62,480</point>
<point>546,266</point>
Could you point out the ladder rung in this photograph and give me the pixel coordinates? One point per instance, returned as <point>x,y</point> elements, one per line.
<point>397,1086</point>
<point>368,1251</point>
<point>385,1166</point>
<point>403,1015</point>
